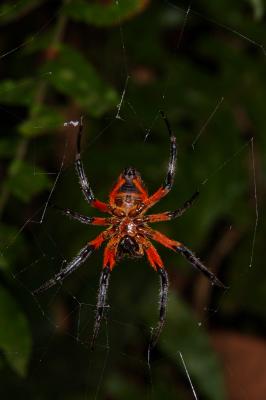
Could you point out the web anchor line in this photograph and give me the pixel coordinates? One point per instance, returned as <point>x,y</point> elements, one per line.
<point>256,203</point>
<point>188,376</point>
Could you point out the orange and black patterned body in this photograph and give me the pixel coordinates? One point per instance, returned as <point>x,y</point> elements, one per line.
<point>127,199</point>
<point>129,192</point>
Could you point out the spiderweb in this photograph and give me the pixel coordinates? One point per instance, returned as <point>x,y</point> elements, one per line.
<point>62,319</point>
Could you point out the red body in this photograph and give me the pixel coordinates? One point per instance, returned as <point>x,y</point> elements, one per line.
<point>128,202</point>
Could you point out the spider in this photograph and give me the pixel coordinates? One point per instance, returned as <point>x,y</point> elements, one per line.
<point>128,232</point>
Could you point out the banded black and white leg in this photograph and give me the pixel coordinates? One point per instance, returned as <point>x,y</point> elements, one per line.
<point>77,261</point>
<point>164,286</point>
<point>101,303</point>
<point>80,258</point>
<point>169,179</point>
<point>85,186</point>
<point>196,263</point>
<point>169,215</point>
<point>82,218</point>
<point>186,253</point>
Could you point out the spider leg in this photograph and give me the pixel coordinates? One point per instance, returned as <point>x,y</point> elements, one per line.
<point>164,282</point>
<point>190,256</point>
<point>85,186</point>
<point>102,295</point>
<point>153,256</point>
<point>108,264</point>
<point>77,261</point>
<point>157,264</point>
<point>187,253</point>
<point>83,218</point>
<point>169,215</point>
<point>169,180</point>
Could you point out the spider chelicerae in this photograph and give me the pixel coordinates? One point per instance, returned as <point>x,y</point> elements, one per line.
<point>128,232</point>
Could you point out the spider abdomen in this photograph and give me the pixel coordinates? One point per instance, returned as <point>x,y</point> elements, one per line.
<point>128,246</point>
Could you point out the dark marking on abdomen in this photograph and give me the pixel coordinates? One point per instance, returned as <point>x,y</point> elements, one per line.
<point>127,247</point>
<point>128,187</point>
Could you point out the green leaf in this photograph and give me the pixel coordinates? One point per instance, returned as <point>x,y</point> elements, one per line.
<point>46,120</point>
<point>26,180</point>
<point>121,388</point>
<point>10,254</point>
<point>17,92</point>
<point>13,10</point>
<point>73,76</point>
<point>8,147</point>
<point>104,14</point>
<point>258,8</point>
<point>15,338</point>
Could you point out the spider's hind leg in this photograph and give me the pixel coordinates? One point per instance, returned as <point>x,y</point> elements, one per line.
<point>162,306</point>
<point>101,303</point>
<point>156,262</point>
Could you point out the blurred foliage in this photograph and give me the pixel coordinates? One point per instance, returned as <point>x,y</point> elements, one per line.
<point>15,336</point>
<point>117,63</point>
<point>26,180</point>
<point>104,14</point>
<point>258,7</point>
<point>13,10</point>
<point>73,76</point>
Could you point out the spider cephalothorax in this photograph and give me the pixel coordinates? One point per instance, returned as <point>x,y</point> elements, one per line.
<point>128,232</point>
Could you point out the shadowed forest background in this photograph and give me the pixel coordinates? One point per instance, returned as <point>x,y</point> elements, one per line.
<point>117,64</point>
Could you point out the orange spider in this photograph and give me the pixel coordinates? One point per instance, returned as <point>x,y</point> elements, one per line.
<point>128,232</point>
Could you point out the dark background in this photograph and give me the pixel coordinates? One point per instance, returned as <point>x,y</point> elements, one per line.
<point>205,67</point>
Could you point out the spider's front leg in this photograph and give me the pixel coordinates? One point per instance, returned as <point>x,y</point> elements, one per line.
<point>85,186</point>
<point>169,180</point>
